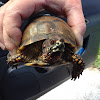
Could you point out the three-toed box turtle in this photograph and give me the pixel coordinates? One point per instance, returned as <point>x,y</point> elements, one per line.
<point>47,41</point>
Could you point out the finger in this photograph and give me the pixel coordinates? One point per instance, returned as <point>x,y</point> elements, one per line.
<point>75,18</point>
<point>2,13</point>
<point>15,13</point>
<point>72,10</point>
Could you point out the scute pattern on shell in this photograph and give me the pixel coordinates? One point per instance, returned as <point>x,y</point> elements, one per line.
<point>41,27</point>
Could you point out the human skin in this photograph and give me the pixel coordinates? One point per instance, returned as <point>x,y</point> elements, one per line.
<point>15,11</point>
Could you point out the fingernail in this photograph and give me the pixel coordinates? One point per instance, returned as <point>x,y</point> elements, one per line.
<point>2,46</point>
<point>79,37</point>
<point>79,40</point>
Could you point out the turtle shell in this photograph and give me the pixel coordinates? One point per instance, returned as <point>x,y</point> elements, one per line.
<point>39,34</point>
<point>48,40</point>
<point>45,27</point>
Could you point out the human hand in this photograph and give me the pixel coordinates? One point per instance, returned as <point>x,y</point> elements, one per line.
<point>15,11</point>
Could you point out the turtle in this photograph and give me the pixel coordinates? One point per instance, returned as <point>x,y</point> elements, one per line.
<point>47,41</point>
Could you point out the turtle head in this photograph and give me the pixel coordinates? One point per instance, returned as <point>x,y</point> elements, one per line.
<point>53,50</point>
<point>58,46</point>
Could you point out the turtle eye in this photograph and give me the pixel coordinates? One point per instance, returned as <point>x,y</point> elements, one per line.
<point>44,46</point>
<point>52,42</point>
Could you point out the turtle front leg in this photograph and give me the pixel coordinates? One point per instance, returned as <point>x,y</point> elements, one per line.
<point>78,66</point>
<point>14,61</point>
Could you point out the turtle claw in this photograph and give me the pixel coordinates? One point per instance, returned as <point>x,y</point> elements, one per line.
<point>73,79</point>
<point>81,73</point>
<point>14,65</point>
<point>77,76</point>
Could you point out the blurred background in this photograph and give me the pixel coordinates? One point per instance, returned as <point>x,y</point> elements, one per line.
<point>97,62</point>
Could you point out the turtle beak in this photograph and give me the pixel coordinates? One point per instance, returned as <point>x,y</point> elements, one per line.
<point>59,46</point>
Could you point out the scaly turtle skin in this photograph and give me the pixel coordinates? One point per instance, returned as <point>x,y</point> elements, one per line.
<point>47,41</point>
